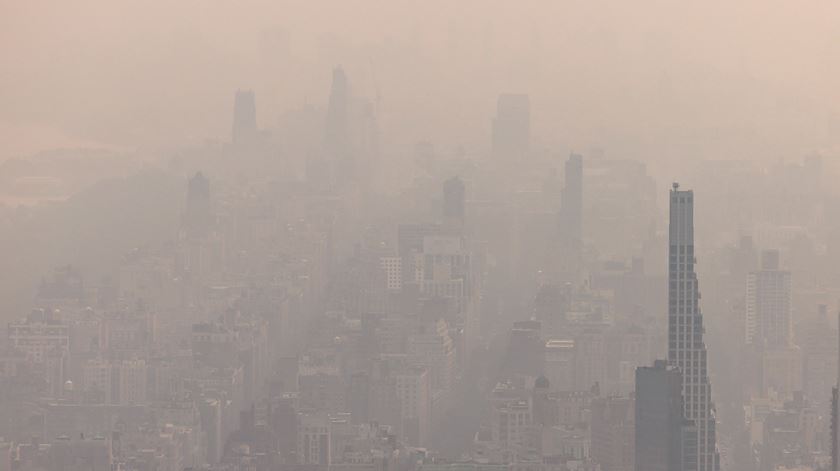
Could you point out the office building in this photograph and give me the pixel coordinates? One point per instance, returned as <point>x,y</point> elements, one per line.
<point>572,199</point>
<point>570,230</point>
<point>198,216</point>
<point>768,304</point>
<point>244,117</point>
<point>613,428</point>
<point>39,335</point>
<point>512,126</point>
<point>337,130</point>
<point>664,439</point>
<point>313,447</point>
<point>454,203</point>
<point>413,387</point>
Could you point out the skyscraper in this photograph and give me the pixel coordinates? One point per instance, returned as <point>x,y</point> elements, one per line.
<point>244,117</point>
<point>351,137</point>
<point>454,202</point>
<point>664,439</point>
<point>512,126</point>
<point>198,214</point>
<point>572,203</point>
<point>571,219</point>
<point>686,348</point>
<point>768,310</point>
<point>768,329</point>
<point>337,142</point>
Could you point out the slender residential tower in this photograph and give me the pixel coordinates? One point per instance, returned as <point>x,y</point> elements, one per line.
<point>686,349</point>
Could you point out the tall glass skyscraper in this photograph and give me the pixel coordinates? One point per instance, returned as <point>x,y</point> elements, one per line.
<point>686,349</point>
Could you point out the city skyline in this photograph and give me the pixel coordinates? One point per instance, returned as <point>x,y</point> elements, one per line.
<point>443,236</point>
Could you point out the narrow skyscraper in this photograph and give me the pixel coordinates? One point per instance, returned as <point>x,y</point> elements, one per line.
<point>512,126</point>
<point>686,348</point>
<point>198,215</point>
<point>454,207</point>
<point>344,132</point>
<point>336,130</point>
<point>244,117</point>
<point>572,203</point>
<point>570,230</point>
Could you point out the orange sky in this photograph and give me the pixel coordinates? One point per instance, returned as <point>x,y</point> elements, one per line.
<point>647,79</point>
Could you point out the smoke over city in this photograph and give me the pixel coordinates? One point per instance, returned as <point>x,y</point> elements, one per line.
<point>419,236</point>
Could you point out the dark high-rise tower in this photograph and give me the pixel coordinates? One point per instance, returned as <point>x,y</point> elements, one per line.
<point>665,440</point>
<point>512,126</point>
<point>244,117</point>
<point>454,204</point>
<point>686,348</point>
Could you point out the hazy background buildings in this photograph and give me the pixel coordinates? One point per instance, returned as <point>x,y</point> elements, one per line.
<point>436,235</point>
<point>756,78</point>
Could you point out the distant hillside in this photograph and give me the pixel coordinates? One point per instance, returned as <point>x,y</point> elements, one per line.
<point>91,230</point>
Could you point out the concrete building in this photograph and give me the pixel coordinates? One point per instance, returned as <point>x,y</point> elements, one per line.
<point>572,199</point>
<point>414,394</point>
<point>432,347</point>
<point>244,117</point>
<point>38,335</point>
<point>818,340</point>
<point>781,370</point>
<point>560,364</point>
<point>314,440</point>
<point>613,433</point>
<point>511,422</point>
<point>511,127</point>
<point>393,272</point>
<point>663,437</point>
<point>120,382</point>
<point>454,203</point>
<point>768,304</point>
<point>571,220</point>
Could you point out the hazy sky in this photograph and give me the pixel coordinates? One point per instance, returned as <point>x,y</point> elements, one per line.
<point>647,79</point>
